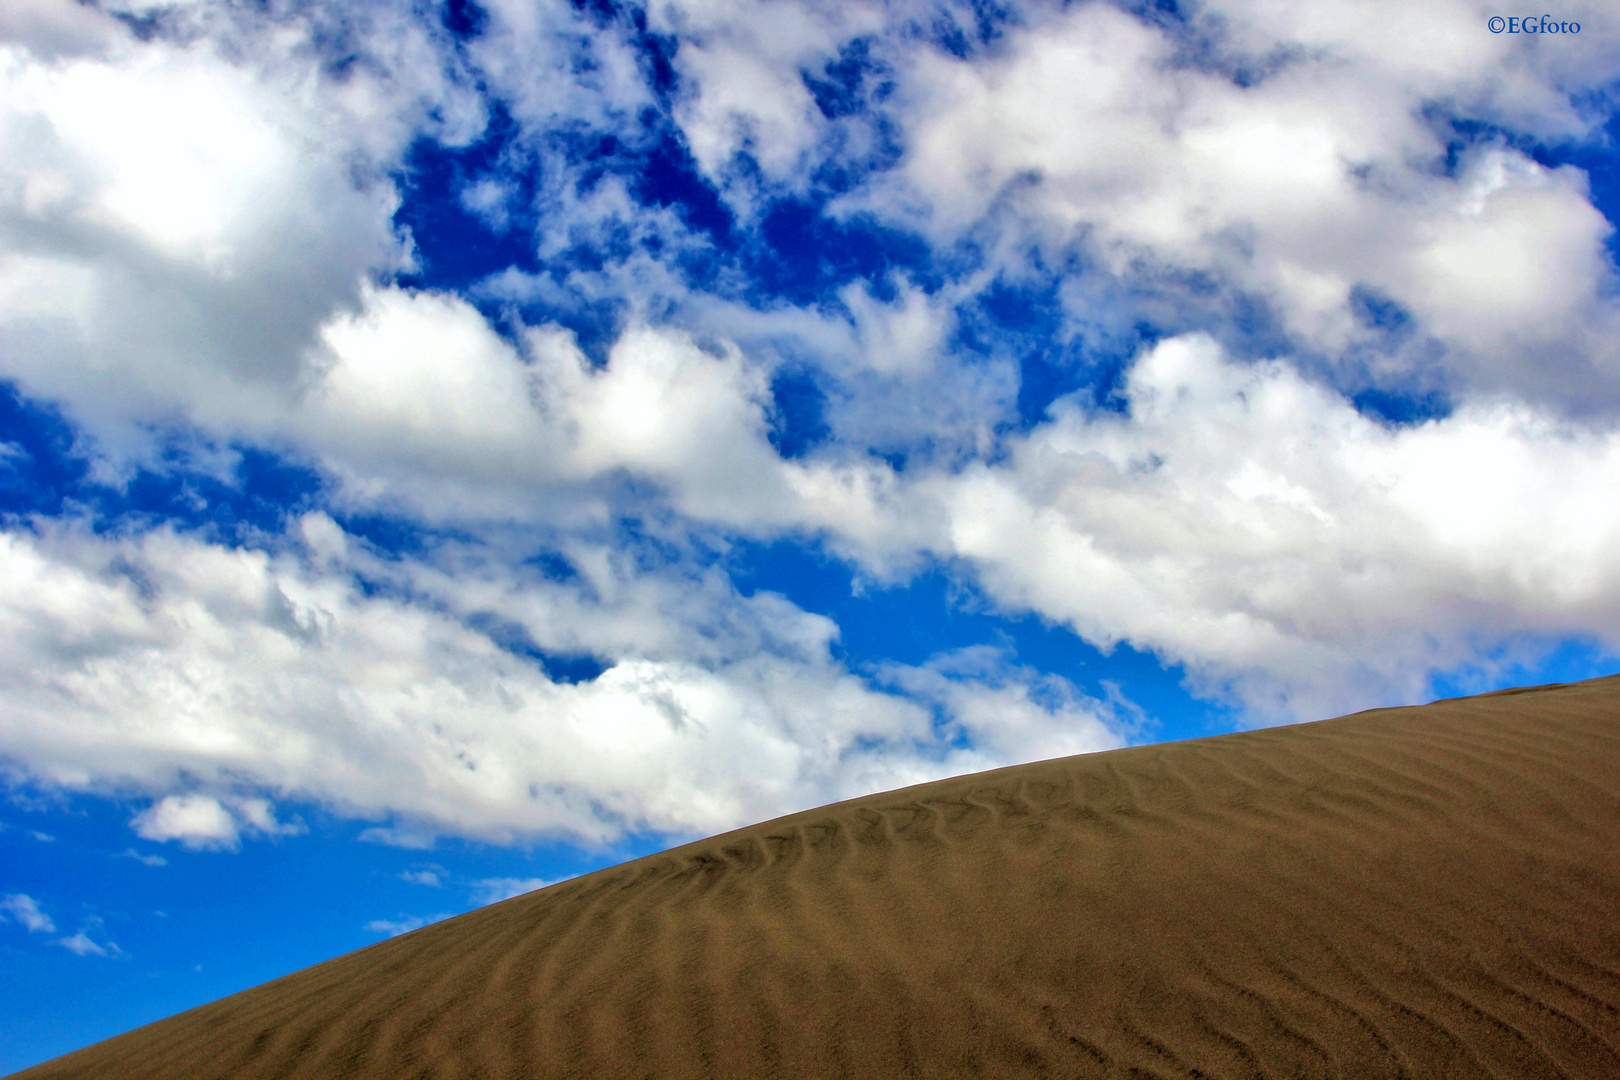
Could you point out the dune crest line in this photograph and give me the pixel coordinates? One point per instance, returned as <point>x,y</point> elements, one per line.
<point>1404,893</point>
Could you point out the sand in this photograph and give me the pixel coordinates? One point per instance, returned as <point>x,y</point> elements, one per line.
<point>1422,892</point>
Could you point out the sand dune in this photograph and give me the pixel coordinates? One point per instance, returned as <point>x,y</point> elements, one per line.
<point>1425,892</point>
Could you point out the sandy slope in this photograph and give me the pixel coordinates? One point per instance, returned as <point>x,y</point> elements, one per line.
<point>1428,892</point>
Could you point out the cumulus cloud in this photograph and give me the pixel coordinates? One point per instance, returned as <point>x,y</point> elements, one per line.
<point>179,664</point>
<point>198,240</point>
<point>1009,714</point>
<point>1297,161</point>
<point>1253,525</point>
<point>232,216</point>
<point>51,29</point>
<point>743,68</point>
<point>196,819</point>
<point>1230,517</point>
<point>201,821</point>
<point>26,912</point>
<point>176,221</point>
<point>559,66</point>
<point>416,402</point>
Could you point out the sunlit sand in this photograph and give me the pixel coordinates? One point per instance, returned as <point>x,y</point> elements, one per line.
<point>1426,892</point>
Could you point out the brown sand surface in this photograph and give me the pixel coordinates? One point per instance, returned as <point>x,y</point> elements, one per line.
<point>1426,892</point>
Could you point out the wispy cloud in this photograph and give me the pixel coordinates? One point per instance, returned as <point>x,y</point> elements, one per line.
<point>25,910</point>
<point>404,924</point>
<point>492,890</point>
<point>431,876</point>
<point>411,839</point>
<point>81,945</point>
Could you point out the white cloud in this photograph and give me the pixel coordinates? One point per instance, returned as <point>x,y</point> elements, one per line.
<point>1010,714</point>
<point>25,910</point>
<point>421,378</point>
<point>556,68</point>
<point>81,945</point>
<point>668,409</point>
<point>176,220</point>
<point>147,860</point>
<point>494,890</point>
<point>259,816</point>
<point>53,29</point>
<point>1086,134</point>
<point>490,199</point>
<point>416,403</point>
<point>744,93</point>
<point>1252,525</point>
<point>1235,518</point>
<point>197,820</point>
<point>904,338</point>
<point>404,924</point>
<point>204,674</point>
<point>431,876</point>
<point>202,821</point>
<point>196,235</point>
<point>410,837</point>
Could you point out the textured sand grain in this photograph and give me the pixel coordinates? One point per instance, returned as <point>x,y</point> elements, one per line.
<point>1426,892</point>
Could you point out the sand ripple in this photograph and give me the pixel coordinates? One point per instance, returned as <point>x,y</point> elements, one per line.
<point>1418,893</point>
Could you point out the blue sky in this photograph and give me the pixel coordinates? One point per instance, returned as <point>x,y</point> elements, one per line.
<point>446,448</point>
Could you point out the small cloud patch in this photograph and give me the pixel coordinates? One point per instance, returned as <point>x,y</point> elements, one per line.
<point>26,912</point>
<point>493,890</point>
<point>404,924</point>
<point>81,945</point>
<point>198,821</point>
<point>147,860</point>
<point>203,822</point>
<point>400,838</point>
<point>432,876</point>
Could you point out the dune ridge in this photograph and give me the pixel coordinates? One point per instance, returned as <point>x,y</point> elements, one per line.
<point>1421,892</point>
